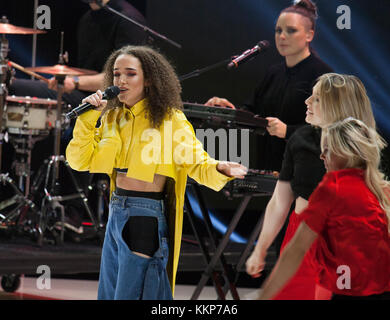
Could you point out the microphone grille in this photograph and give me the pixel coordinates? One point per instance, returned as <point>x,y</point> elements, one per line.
<point>263,44</point>
<point>112,92</point>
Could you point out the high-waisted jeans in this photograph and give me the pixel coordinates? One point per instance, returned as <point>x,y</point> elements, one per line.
<point>125,275</point>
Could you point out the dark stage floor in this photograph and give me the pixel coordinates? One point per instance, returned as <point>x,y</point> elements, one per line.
<point>20,255</point>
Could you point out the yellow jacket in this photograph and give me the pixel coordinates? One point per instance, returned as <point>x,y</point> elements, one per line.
<point>125,140</point>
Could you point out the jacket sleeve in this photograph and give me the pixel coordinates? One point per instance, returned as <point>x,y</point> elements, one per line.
<point>189,155</point>
<point>86,136</point>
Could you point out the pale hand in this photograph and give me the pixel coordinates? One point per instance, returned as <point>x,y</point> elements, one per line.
<point>255,264</point>
<point>69,84</point>
<point>232,169</point>
<point>96,99</point>
<point>276,127</point>
<point>221,102</point>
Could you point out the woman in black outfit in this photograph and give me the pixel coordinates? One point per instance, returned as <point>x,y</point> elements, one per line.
<point>280,96</point>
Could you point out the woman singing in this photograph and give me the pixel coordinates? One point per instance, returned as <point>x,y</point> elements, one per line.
<point>147,147</point>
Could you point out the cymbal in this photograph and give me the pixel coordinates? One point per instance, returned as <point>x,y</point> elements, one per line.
<point>11,29</point>
<point>61,69</point>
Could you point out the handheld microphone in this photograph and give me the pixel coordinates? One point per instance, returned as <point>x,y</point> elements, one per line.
<point>248,54</point>
<point>108,94</point>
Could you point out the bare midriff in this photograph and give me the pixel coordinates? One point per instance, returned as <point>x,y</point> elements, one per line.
<point>127,183</point>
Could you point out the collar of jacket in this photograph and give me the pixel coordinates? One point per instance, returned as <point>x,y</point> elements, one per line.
<point>136,109</point>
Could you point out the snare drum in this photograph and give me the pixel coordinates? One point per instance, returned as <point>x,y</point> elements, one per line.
<point>32,116</point>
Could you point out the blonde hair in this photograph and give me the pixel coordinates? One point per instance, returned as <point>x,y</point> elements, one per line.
<point>361,146</point>
<point>343,96</point>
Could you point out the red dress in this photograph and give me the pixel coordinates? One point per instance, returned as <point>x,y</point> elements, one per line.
<point>353,239</point>
<point>302,286</point>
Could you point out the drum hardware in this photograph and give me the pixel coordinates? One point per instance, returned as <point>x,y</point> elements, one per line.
<point>26,121</point>
<point>51,203</point>
<point>5,69</point>
<point>51,206</point>
<point>18,218</point>
<point>26,115</point>
<point>52,212</point>
<point>23,145</point>
<point>13,220</point>
<point>35,116</point>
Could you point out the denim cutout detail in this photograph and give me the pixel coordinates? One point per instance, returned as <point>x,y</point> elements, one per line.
<point>131,252</point>
<point>129,276</point>
<point>156,278</point>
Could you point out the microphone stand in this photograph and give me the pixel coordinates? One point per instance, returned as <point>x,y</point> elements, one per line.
<point>4,69</point>
<point>226,62</point>
<point>145,28</point>
<point>198,72</point>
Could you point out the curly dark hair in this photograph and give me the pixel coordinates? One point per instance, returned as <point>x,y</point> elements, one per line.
<point>163,90</point>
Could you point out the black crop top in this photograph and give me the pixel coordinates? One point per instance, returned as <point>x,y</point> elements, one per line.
<point>302,165</point>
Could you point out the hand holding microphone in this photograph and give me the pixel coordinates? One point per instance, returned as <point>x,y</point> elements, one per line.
<point>97,101</point>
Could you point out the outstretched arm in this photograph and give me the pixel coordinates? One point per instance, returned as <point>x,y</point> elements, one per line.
<point>289,261</point>
<point>275,216</point>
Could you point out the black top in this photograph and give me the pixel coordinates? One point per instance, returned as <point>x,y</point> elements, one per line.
<point>302,165</point>
<point>282,95</point>
<point>100,32</point>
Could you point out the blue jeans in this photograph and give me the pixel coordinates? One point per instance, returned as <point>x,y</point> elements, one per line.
<point>125,275</point>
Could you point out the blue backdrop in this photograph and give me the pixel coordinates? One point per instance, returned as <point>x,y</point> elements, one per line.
<point>211,31</point>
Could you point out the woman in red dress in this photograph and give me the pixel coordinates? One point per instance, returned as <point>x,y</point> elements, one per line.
<point>348,215</point>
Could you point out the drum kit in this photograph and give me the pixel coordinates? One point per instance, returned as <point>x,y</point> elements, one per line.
<point>23,122</point>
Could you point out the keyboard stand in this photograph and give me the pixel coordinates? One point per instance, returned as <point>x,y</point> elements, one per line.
<point>230,273</point>
<point>215,276</point>
<point>227,273</point>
